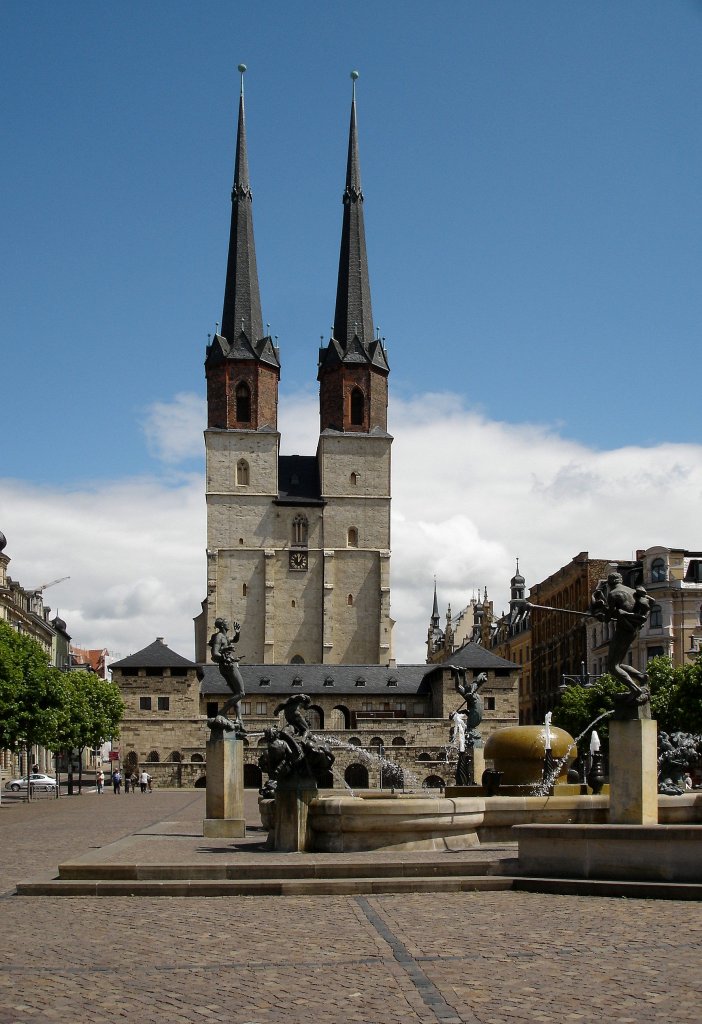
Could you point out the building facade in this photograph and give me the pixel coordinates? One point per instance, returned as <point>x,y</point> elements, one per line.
<point>298,547</point>
<point>399,711</point>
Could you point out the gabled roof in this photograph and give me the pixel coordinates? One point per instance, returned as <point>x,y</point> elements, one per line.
<point>156,655</point>
<point>406,680</point>
<point>476,656</point>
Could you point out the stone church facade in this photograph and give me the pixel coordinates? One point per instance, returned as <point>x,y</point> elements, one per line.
<point>298,553</point>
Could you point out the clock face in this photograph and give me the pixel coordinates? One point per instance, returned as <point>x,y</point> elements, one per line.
<point>298,560</point>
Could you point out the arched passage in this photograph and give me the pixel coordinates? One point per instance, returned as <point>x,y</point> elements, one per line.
<point>433,782</point>
<point>356,776</point>
<point>339,718</point>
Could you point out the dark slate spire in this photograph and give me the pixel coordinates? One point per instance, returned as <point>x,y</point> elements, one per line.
<point>242,300</point>
<point>353,314</point>
<point>435,609</point>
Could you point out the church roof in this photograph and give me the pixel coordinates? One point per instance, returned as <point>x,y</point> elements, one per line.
<point>156,655</point>
<point>353,339</point>
<point>242,321</point>
<point>322,679</point>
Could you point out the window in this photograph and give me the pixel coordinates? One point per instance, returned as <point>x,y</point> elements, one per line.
<point>656,619</point>
<point>357,407</point>
<point>328,680</point>
<point>242,472</point>
<point>299,530</point>
<point>145,703</point>
<point>243,590</point>
<point>297,680</point>
<point>349,599</point>
<point>658,570</point>
<point>245,706</point>
<point>360,681</point>
<point>654,652</point>
<point>261,707</point>
<point>353,479</point>
<point>153,757</point>
<point>243,403</point>
<point>297,659</point>
<point>212,708</point>
<point>164,703</point>
<point>352,538</point>
<point>265,681</point>
<point>489,703</point>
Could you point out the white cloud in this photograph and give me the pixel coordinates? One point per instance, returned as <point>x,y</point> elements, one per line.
<point>469,494</point>
<point>174,429</point>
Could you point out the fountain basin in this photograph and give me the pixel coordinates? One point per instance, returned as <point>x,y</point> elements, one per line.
<point>519,751</point>
<point>352,824</point>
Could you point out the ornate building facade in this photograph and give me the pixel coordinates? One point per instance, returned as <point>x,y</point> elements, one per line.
<point>298,547</point>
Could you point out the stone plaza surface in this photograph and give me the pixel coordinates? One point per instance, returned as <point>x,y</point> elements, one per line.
<point>490,957</point>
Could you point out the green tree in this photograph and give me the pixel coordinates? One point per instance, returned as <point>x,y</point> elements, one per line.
<point>676,699</point>
<point>92,713</point>
<point>32,694</point>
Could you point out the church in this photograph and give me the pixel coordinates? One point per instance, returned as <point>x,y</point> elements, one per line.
<point>298,547</point>
<point>298,551</point>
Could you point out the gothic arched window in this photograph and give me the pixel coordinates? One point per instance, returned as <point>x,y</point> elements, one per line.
<point>357,407</point>
<point>243,402</point>
<point>242,472</point>
<point>299,531</point>
<point>352,540</point>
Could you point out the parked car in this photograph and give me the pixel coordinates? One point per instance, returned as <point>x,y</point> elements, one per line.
<point>38,781</point>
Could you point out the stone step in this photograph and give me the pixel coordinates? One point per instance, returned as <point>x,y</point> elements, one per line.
<point>292,870</point>
<point>262,886</point>
<point>609,887</point>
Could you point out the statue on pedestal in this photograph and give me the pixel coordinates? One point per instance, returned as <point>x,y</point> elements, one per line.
<point>465,735</point>
<point>292,753</point>
<point>224,655</point>
<point>628,609</point>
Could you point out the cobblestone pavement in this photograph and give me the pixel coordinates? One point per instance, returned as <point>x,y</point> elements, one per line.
<point>488,957</point>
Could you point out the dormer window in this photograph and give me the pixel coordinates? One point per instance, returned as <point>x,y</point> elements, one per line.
<point>297,681</point>
<point>392,680</point>
<point>360,681</point>
<point>328,681</point>
<point>659,573</point>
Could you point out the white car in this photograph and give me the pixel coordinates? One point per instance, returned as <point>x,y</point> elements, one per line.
<point>38,781</point>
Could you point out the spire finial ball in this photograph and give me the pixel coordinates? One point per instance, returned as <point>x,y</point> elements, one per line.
<point>242,68</point>
<point>354,75</point>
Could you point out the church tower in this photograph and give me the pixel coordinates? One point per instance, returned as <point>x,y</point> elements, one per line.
<point>298,546</point>
<point>354,450</point>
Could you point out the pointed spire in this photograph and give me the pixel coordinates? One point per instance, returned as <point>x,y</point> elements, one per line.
<point>353,314</point>
<point>242,301</point>
<point>435,609</point>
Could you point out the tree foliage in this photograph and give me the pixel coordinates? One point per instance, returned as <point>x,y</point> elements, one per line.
<point>41,705</point>
<point>676,699</point>
<point>32,692</point>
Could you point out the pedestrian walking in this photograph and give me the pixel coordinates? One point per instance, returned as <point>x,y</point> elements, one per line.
<point>143,781</point>
<point>127,781</point>
<point>134,781</point>
<point>100,781</point>
<point>149,780</point>
<point>117,782</point>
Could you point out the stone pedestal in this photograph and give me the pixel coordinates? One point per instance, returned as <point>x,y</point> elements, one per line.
<point>478,764</point>
<point>292,801</point>
<point>633,772</point>
<point>225,787</point>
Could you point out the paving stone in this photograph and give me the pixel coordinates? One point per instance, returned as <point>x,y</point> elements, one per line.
<point>485,957</point>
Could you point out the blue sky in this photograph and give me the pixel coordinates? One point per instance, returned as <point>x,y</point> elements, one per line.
<point>533,213</point>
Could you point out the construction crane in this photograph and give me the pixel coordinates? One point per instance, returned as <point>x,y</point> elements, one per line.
<point>45,586</point>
